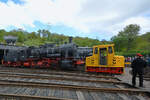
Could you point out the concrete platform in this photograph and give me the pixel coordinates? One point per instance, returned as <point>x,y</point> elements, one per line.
<point>127,78</point>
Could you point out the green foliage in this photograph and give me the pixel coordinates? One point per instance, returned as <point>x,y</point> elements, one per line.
<point>128,42</point>
<point>124,41</point>
<point>33,42</point>
<point>86,42</point>
<point>44,36</point>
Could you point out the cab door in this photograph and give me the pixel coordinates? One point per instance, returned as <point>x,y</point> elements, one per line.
<point>103,56</point>
<point>95,59</point>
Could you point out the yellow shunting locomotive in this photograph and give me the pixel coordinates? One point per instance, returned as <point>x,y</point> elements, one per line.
<point>104,60</point>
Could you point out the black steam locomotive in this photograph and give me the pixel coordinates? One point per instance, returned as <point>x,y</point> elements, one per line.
<point>66,56</point>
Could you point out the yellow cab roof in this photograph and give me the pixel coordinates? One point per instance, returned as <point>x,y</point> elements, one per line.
<point>104,45</point>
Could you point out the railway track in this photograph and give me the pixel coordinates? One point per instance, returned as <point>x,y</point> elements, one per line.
<point>52,85</point>
<point>58,92</point>
<point>27,97</point>
<point>48,70</point>
<point>76,88</point>
<point>52,72</point>
<point>68,87</point>
<point>59,78</point>
<point>61,74</point>
<point>55,79</point>
<point>147,78</point>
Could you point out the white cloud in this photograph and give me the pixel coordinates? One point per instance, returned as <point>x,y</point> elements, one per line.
<point>142,21</point>
<point>101,16</point>
<point>14,14</point>
<point>110,16</point>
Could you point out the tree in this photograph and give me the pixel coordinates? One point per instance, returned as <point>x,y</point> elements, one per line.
<point>130,33</point>
<point>120,43</point>
<point>127,36</point>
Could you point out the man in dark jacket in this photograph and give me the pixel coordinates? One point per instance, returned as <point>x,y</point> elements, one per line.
<point>138,66</point>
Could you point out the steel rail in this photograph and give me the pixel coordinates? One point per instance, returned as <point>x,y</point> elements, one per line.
<point>70,87</point>
<point>42,71</point>
<point>60,78</point>
<point>147,78</point>
<point>67,74</point>
<point>26,97</point>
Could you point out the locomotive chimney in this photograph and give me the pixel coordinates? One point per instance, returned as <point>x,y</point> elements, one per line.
<point>70,39</point>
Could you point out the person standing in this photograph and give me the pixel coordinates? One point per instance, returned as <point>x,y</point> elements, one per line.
<point>138,66</point>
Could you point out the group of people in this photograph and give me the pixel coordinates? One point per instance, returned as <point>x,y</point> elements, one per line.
<point>138,65</point>
<point>147,59</point>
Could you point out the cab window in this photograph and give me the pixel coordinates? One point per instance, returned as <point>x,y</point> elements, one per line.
<point>110,50</point>
<point>96,51</point>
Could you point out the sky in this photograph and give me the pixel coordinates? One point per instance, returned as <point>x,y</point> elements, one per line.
<point>97,19</point>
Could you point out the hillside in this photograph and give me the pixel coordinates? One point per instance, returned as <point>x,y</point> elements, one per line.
<point>44,36</point>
